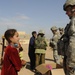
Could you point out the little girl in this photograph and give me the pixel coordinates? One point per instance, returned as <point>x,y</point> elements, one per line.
<point>12,62</point>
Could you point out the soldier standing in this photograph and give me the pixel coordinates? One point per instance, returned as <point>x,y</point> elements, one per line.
<point>53,44</point>
<point>40,48</point>
<point>69,7</point>
<point>60,42</point>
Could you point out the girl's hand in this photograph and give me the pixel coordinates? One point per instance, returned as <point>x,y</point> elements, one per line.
<point>23,62</point>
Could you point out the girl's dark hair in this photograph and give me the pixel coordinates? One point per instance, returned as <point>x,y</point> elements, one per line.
<point>9,33</point>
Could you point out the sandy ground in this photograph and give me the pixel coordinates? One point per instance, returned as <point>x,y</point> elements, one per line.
<point>25,70</point>
<point>48,59</point>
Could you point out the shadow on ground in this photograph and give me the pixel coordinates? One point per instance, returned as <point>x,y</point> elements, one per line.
<point>49,59</point>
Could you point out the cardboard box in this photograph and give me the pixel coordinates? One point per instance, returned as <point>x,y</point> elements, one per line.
<point>45,69</point>
<point>42,69</point>
<point>57,72</point>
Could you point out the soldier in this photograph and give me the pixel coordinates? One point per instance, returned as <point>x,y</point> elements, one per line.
<point>61,31</point>
<point>53,44</point>
<point>40,48</point>
<point>60,42</point>
<point>69,7</point>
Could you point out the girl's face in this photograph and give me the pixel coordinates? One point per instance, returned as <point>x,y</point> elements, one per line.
<point>15,38</point>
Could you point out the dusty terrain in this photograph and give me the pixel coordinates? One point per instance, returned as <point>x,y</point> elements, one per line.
<point>25,70</point>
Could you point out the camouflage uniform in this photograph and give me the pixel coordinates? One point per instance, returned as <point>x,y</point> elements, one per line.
<point>71,45</point>
<point>65,41</point>
<point>60,42</point>
<point>40,48</point>
<point>70,33</point>
<point>53,44</point>
<point>61,31</point>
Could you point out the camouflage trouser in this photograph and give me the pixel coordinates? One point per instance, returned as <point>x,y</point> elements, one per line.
<point>40,58</point>
<point>56,56</point>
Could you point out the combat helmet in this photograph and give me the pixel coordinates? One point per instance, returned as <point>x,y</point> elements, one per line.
<point>53,28</point>
<point>61,29</point>
<point>41,32</point>
<point>69,3</point>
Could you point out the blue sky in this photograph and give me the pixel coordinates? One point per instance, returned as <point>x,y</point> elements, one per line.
<point>30,15</point>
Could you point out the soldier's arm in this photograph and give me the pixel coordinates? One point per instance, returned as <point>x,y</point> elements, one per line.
<point>72,28</point>
<point>45,43</point>
<point>53,42</point>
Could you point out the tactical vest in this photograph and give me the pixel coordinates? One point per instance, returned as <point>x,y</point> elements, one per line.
<point>40,43</point>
